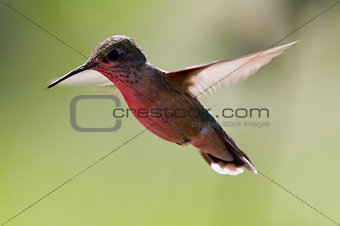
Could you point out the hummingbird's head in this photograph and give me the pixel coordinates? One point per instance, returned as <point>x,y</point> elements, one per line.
<point>118,48</point>
<point>116,58</point>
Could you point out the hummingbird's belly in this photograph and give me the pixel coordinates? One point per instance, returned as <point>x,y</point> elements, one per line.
<point>170,118</point>
<point>176,130</point>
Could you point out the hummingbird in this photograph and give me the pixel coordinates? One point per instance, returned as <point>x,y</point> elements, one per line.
<point>119,62</point>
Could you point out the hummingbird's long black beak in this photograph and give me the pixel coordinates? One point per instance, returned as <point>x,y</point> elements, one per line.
<point>71,73</point>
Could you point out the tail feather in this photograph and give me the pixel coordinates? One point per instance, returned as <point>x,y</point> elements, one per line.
<point>227,167</point>
<point>239,155</point>
<point>220,151</point>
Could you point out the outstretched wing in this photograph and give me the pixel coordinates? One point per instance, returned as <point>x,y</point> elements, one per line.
<point>199,79</point>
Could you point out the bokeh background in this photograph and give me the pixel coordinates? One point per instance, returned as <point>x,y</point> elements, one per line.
<point>150,181</point>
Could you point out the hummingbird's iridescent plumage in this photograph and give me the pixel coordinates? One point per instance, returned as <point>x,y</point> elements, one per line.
<point>145,86</point>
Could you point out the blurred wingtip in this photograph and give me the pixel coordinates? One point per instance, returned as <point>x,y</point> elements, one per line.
<point>292,43</point>
<point>285,46</point>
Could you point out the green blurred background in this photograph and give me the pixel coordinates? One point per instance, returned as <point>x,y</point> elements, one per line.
<point>150,181</point>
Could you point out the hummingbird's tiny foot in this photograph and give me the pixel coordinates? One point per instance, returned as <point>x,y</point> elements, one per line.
<point>186,140</point>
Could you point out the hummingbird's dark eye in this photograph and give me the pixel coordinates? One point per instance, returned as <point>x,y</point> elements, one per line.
<point>113,55</point>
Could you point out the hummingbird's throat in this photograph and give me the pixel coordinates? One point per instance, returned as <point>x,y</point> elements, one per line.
<point>119,75</point>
